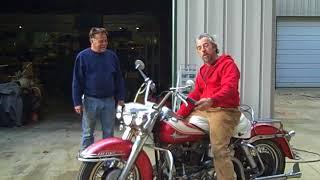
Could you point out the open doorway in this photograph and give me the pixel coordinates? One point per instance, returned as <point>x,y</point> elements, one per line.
<point>50,34</point>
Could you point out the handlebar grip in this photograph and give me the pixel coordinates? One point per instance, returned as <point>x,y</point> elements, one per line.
<point>192,101</point>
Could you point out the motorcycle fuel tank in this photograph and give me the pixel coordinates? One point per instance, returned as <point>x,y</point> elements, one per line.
<point>175,131</point>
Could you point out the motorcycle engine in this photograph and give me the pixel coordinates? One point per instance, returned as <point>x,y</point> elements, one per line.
<point>190,158</point>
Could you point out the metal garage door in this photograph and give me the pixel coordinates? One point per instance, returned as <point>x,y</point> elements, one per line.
<point>298,52</point>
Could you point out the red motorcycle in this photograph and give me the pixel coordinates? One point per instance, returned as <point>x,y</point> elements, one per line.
<point>181,150</point>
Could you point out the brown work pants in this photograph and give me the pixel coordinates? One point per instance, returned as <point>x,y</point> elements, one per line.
<point>222,122</point>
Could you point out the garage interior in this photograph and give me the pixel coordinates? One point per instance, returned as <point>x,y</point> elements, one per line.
<point>42,38</point>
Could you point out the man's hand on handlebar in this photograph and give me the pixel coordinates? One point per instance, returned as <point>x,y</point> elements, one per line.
<point>203,104</point>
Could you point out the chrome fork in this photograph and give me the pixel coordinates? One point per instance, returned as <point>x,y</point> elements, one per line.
<point>136,148</point>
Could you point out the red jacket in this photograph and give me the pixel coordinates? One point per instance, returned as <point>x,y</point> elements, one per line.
<point>218,82</point>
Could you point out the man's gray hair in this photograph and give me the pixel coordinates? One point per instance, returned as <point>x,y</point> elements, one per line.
<point>206,35</point>
<point>210,38</point>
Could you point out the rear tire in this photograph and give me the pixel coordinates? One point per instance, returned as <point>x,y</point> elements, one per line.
<point>271,156</point>
<point>105,171</point>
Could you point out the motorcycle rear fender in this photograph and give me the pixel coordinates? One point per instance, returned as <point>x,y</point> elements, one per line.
<point>274,134</point>
<point>116,147</point>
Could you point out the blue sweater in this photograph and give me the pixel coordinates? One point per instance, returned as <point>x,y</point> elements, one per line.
<point>97,75</point>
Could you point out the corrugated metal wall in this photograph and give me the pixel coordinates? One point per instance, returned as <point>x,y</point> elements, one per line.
<point>243,29</point>
<point>297,7</point>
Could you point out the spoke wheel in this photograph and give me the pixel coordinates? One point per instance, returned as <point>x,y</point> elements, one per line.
<point>272,157</point>
<point>105,171</point>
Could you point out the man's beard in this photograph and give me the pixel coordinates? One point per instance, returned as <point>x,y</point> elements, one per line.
<point>207,59</point>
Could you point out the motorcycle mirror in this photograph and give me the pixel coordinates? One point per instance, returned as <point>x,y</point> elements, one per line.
<point>190,84</point>
<point>139,64</point>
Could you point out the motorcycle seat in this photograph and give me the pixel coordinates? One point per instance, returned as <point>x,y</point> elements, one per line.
<point>243,129</point>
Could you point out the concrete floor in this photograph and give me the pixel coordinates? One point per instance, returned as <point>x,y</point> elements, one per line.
<point>298,109</point>
<point>47,149</point>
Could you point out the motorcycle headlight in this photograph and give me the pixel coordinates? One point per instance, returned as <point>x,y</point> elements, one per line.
<point>127,119</point>
<point>119,112</point>
<point>118,115</point>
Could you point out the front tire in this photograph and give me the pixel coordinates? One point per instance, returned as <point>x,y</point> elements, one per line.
<point>271,156</point>
<point>105,170</point>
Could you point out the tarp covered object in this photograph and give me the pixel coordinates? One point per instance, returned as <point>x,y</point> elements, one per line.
<point>11,105</point>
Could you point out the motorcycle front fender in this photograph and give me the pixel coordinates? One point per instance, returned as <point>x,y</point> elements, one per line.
<point>267,131</point>
<point>116,147</point>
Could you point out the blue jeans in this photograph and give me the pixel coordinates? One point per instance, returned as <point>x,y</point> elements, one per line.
<point>97,109</point>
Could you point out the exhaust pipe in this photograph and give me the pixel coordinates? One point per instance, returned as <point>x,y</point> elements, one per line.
<point>295,173</point>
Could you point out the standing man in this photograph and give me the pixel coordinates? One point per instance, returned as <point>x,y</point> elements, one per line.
<point>97,84</point>
<point>217,96</point>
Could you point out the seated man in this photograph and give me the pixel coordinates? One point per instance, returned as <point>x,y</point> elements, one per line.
<point>217,96</point>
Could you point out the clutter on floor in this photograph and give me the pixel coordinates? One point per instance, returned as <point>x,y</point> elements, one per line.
<point>20,99</point>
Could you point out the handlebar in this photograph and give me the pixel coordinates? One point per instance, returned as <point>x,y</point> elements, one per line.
<point>184,99</point>
<point>148,85</point>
